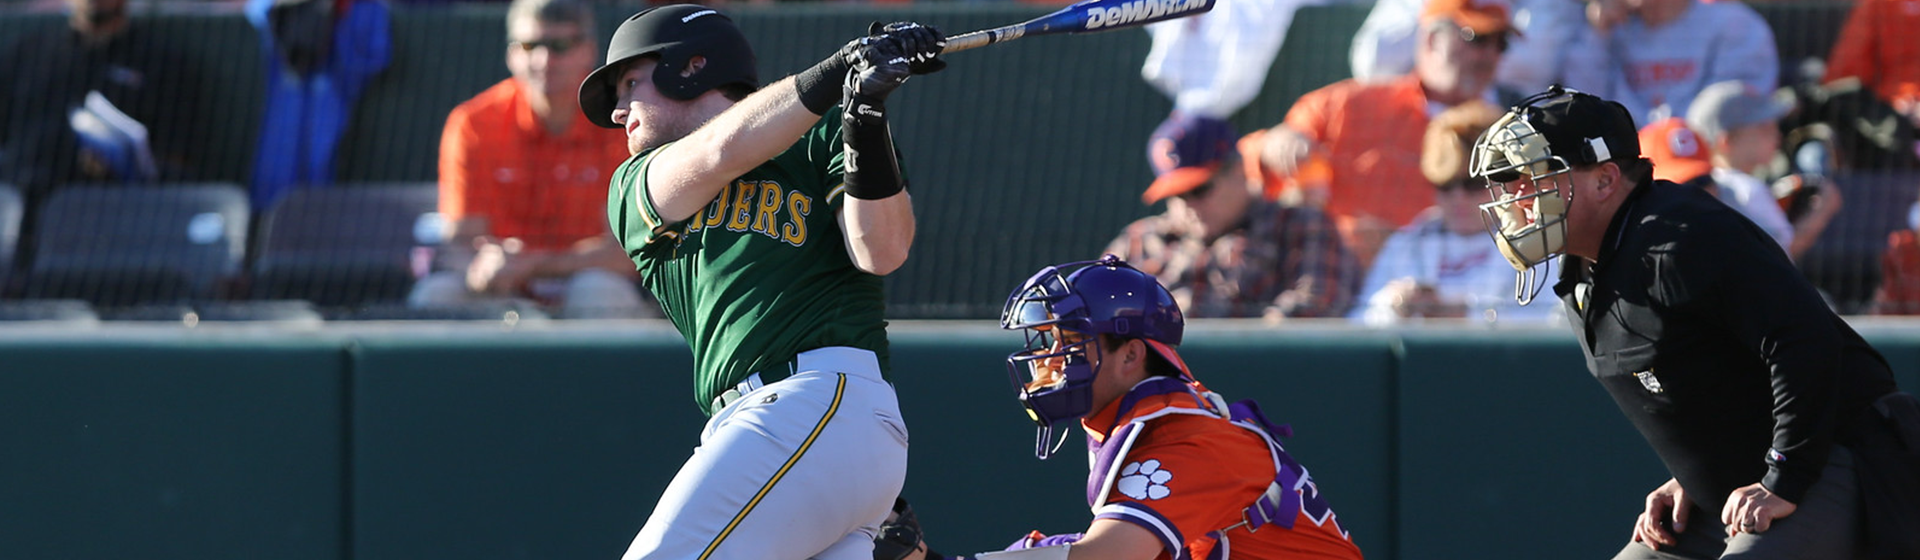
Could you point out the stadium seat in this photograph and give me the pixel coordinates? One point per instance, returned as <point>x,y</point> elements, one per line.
<point>283,312</point>
<point>48,310</point>
<point>11,209</point>
<point>346,245</point>
<point>291,312</point>
<point>508,312</point>
<point>149,313</point>
<point>125,246</point>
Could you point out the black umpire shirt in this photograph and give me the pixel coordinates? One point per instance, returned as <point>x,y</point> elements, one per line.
<point>1715,347</point>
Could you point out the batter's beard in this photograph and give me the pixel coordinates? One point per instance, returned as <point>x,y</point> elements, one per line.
<point>642,139</point>
<point>665,129</point>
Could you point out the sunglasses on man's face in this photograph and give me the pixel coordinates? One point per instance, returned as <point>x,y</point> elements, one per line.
<point>555,45</point>
<point>1497,40</point>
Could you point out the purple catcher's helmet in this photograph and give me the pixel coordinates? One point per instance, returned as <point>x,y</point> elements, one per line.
<point>1091,298</point>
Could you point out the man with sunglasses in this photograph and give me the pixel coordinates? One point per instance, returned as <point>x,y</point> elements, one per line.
<point>1353,147</point>
<point>1543,32</point>
<point>1222,249</point>
<point>523,179</point>
<point>1781,427</point>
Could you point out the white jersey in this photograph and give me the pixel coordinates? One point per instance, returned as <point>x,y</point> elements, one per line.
<point>1754,200</point>
<point>1215,63</point>
<point>1656,71</point>
<point>1460,267</point>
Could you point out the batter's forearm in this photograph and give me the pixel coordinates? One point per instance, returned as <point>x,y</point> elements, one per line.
<point>687,174</point>
<point>879,233</point>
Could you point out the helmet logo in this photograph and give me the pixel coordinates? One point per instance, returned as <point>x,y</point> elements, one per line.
<point>1683,144</point>
<point>690,17</point>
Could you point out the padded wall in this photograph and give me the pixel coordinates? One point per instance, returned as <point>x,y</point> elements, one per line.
<point>430,442</point>
<point>119,447</point>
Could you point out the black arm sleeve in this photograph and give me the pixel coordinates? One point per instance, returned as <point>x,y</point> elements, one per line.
<point>1766,304</point>
<point>873,171</point>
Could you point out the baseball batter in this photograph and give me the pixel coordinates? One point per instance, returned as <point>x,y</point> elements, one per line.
<point>1176,471</point>
<point>763,229</point>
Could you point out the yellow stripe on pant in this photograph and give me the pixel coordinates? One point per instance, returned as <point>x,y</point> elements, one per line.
<point>839,391</point>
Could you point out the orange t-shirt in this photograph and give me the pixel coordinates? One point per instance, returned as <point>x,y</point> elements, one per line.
<point>498,162</point>
<point>1371,134</point>
<point>1879,45</point>
<point>1187,474</point>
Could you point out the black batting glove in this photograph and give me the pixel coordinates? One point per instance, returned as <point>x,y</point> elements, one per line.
<point>879,66</point>
<point>921,43</point>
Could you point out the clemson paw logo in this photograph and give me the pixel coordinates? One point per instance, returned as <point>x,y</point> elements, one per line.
<point>1144,480</point>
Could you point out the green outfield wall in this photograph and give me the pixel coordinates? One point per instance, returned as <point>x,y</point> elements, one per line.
<point>430,442</point>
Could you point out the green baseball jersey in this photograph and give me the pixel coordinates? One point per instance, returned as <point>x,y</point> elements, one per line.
<point>763,273</point>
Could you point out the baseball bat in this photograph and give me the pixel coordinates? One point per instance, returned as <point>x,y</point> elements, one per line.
<point>1083,17</point>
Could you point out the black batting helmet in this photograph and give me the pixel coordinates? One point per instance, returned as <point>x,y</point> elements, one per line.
<point>676,34</point>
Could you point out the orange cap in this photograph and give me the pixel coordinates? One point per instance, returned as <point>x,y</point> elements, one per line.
<point>1485,17</point>
<point>1677,152</point>
<point>1185,151</point>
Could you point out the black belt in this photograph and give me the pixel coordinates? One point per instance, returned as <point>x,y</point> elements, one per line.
<point>756,380</point>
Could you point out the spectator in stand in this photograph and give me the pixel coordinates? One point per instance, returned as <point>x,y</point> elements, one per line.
<point>1221,248</point>
<point>1365,137</point>
<point>320,56</point>
<point>1654,56</point>
<point>1678,154</point>
<point>1439,266</point>
<point>1880,46</point>
<point>1536,55</point>
<point>1741,129</point>
<point>523,179</point>
<point>1899,291</point>
<point>1214,63</point>
<point>100,99</point>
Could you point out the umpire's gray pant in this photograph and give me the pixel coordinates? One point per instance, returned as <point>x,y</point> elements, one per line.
<point>1826,525</point>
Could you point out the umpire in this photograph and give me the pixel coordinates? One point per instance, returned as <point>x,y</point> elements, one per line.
<point>1783,429</point>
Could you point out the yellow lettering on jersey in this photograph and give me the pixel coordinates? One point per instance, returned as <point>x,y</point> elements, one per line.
<point>697,223</point>
<point>794,232</point>
<point>764,220</point>
<point>717,209</point>
<point>742,209</point>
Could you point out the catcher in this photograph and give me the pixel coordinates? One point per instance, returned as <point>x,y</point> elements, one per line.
<point>1177,472</point>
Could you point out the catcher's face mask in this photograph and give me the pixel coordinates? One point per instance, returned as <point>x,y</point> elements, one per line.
<point>1531,189</point>
<point>1055,371</point>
